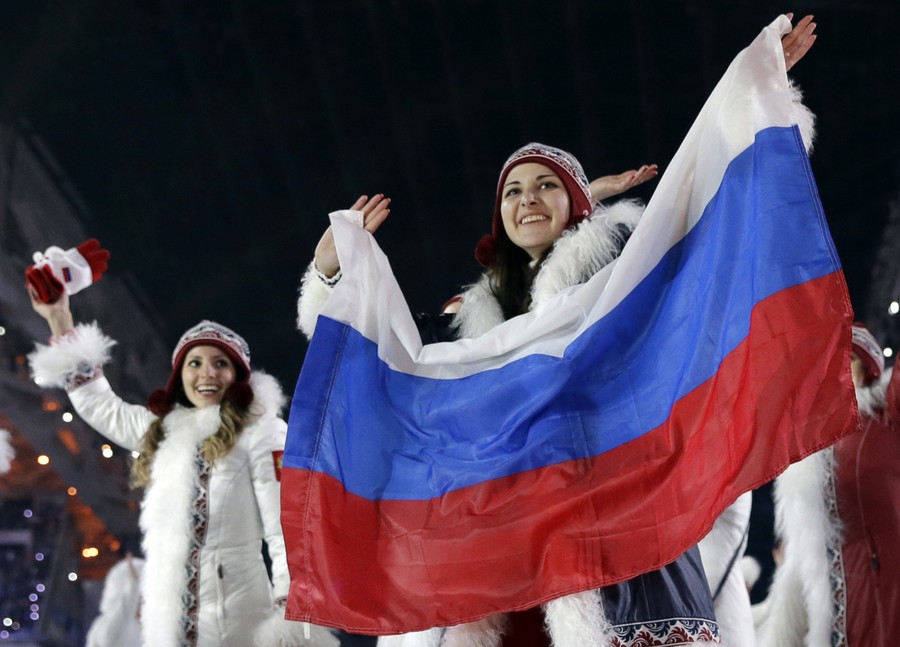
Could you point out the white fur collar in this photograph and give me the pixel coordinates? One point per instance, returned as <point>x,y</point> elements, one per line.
<point>165,514</point>
<point>166,521</point>
<point>804,521</point>
<point>268,398</point>
<point>579,254</point>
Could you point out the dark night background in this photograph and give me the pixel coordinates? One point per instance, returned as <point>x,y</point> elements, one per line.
<point>206,141</point>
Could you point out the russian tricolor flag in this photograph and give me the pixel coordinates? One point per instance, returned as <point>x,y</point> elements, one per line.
<point>595,438</point>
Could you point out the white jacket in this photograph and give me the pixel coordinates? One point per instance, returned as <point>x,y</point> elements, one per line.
<point>210,519</point>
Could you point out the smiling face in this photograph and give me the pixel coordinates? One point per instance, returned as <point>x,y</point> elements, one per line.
<point>206,374</point>
<point>534,207</point>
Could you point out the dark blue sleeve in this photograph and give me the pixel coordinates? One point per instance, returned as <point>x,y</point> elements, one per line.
<point>435,328</point>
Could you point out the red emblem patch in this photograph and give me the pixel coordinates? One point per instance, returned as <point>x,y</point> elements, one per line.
<point>277,458</point>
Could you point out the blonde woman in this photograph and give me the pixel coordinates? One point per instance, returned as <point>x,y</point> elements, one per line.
<point>210,443</point>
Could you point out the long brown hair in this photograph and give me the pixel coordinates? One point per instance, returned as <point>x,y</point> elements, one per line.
<point>511,276</point>
<point>232,419</point>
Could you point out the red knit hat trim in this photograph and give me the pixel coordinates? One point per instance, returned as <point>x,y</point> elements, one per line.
<point>869,352</point>
<point>569,170</point>
<point>207,333</point>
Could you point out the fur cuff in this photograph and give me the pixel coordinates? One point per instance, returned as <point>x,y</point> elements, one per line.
<point>77,353</point>
<point>275,631</point>
<point>803,117</point>
<point>313,295</point>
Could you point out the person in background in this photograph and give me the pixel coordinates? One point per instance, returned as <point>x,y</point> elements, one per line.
<point>210,443</point>
<point>119,624</point>
<point>837,513</point>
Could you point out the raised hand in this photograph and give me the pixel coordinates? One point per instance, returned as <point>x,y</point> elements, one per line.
<point>58,314</point>
<point>610,185</point>
<point>797,42</point>
<point>375,210</point>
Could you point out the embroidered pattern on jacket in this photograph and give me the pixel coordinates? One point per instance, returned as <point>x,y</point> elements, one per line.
<point>669,632</point>
<point>84,372</point>
<point>199,523</point>
<point>835,554</point>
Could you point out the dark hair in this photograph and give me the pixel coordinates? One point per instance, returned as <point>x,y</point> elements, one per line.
<point>511,276</point>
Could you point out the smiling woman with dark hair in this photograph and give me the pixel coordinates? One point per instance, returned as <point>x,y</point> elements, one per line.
<point>548,234</point>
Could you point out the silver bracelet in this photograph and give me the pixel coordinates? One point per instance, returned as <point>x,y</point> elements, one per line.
<point>329,281</point>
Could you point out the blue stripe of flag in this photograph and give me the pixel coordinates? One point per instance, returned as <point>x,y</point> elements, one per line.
<point>388,435</point>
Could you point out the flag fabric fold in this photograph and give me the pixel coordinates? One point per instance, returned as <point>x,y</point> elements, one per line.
<point>595,438</point>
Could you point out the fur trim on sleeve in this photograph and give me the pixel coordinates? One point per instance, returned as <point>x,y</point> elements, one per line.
<point>275,631</point>
<point>78,352</point>
<point>7,453</point>
<point>584,250</point>
<point>313,295</point>
<point>803,116</point>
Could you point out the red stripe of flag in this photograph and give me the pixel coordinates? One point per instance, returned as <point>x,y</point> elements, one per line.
<point>395,566</point>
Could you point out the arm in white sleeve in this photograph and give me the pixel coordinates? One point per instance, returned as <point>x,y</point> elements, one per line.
<point>122,423</point>
<point>75,362</point>
<point>314,292</point>
<point>266,449</point>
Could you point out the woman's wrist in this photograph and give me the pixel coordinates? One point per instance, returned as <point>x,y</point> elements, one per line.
<point>328,278</point>
<point>61,323</point>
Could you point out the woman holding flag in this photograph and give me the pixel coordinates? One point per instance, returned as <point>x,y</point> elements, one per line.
<point>542,193</point>
<point>548,235</point>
